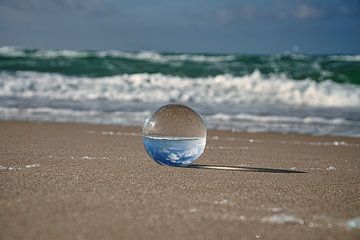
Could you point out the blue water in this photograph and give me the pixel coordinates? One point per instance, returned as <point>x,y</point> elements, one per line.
<point>174,151</point>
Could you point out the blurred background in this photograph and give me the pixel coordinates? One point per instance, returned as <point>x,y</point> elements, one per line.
<point>259,66</point>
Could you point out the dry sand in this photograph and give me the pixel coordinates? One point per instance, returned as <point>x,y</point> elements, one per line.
<point>72,181</point>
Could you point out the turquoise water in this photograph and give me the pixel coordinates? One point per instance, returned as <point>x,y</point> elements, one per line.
<point>313,94</point>
<point>174,151</point>
<point>338,68</point>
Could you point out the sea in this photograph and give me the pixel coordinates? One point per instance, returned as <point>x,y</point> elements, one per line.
<point>286,93</point>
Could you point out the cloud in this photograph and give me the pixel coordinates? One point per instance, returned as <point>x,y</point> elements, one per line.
<point>349,8</point>
<point>41,5</point>
<point>224,16</point>
<point>307,11</point>
<point>288,10</point>
<point>83,5</point>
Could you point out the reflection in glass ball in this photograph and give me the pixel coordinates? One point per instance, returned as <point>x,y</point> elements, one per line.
<point>174,135</point>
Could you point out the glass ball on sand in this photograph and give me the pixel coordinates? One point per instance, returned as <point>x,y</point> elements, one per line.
<point>175,135</point>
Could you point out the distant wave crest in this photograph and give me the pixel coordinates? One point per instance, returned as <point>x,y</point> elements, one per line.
<point>347,58</point>
<point>10,51</point>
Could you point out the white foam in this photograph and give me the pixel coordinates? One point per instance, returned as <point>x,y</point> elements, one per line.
<point>69,115</point>
<point>348,58</point>
<point>222,202</point>
<point>144,87</point>
<point>60,53</point>
<point>305,125</point>
<point>278,209</point>
<point>334,143</point>
<point>277,119</point>
<point>10,51</point>
<point>19,168</point>
<point>162,58</point>
<point>192,210</point>
<point>283,218</point>
<point>331,168</point>
<point>32,165</point>
<point>353,223</point>
<point>107,133</point>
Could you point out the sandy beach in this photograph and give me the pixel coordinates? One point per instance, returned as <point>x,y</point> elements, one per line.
<point>80,181</point>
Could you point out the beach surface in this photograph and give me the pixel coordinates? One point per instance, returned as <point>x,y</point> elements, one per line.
<point>82,181</point>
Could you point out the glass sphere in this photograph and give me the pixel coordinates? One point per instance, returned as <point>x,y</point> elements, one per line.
<point>175,135</point>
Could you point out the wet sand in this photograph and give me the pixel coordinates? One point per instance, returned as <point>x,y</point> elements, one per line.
<point>78,181</point>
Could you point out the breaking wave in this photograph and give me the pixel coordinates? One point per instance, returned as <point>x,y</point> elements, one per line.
<point>144,87</point>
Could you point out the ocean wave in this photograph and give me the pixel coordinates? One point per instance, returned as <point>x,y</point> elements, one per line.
<point>281,119</point>
<point>90,63</point>
<point>128,118</point>
<point>347,58</point>
<point>314,125</point>
<point>152,56</point>
<point>144,87</point>
<point>162,58</point>
<point>9,51</point>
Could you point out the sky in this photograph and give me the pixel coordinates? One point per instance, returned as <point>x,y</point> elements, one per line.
<point>226,26</point>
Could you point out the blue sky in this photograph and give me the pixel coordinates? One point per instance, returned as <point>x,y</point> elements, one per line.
<point>252,26</point>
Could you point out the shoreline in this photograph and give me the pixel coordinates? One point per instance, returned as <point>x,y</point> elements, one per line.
<point>214,130</point>
<point>85,181</point>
